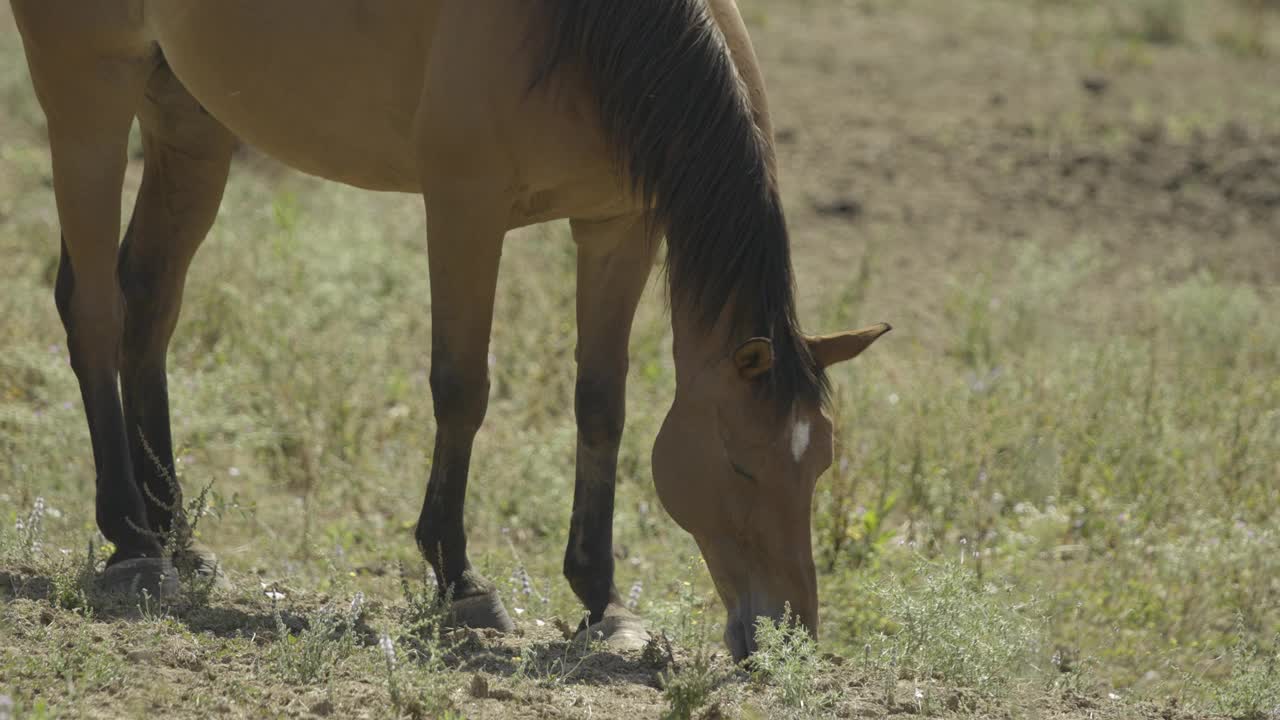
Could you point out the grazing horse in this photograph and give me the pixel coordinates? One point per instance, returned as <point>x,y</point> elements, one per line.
<point>635,120</point>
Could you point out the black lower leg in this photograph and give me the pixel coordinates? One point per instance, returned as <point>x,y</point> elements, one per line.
<point>441,534</point>
<point>460,404</point>
<point>121,513</point>
<point>588,559</point>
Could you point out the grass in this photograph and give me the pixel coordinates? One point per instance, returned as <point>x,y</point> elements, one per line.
<point>1162,22</point>
<point>1066,486</point>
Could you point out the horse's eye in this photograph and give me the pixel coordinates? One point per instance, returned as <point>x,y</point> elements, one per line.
<point>738,469</point>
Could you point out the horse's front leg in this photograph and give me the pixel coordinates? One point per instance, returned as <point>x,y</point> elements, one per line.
<point>465,228</point>
<point>614,258</point>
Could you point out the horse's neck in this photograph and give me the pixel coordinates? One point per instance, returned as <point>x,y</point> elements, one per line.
<point>743,54</point>
<point>695,348</point>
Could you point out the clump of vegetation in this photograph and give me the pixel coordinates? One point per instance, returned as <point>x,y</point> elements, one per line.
<point>28,532</point>
<point>424,620</point>
<point>416,656</point>
<point>311,654</point>
<point>787,659</point>
<point>552,664</point>
<point>689,612</point>
<point>688,687</point>
<point>195,582</point>
<point>72,585</point>
<point>1251,690</point>
<point>946,624</point>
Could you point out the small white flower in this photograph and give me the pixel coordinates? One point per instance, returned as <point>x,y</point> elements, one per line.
<point>893,398</point>
<point>633,597</point>
<point>388,649</point>
<point>357,604</point>
<point>272,592</point>
<point>233,471</point>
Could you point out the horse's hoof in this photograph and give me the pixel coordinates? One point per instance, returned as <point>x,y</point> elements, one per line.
<point>200,560</point>
<point>154,576</point>
<point>619,629</point>
<point>481,611</point>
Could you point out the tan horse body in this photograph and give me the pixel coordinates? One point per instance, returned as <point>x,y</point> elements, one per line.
<point>438,98</point>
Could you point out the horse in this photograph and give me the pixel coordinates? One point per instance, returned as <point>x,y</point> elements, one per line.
<point>638,121</point>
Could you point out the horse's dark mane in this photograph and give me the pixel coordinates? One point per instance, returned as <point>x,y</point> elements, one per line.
<point>674,107</point>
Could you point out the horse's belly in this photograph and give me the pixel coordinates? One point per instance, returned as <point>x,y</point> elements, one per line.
<point>330,88</point>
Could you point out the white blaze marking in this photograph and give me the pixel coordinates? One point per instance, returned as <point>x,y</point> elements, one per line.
<point>799,439</point>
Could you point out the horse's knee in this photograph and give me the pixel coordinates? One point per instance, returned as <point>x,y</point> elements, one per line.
<point>94,324</point>
<point>460,398</point>
<point>599,404</point>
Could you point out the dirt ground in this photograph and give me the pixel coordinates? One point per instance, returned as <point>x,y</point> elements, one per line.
<point>913,133</point>
<point>180,665</point>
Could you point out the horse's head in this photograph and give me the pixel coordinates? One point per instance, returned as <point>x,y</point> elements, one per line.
<point>739,476</point>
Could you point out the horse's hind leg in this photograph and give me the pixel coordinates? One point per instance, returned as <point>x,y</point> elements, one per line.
<point>187,157</point>
<point>614,259</point>
<point>89,86</point>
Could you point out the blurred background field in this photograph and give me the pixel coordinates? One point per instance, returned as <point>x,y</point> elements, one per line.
<point>1059,477</point>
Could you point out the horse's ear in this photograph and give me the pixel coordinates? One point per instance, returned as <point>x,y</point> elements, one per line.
<point>753,358</point>
<point>828,350</point>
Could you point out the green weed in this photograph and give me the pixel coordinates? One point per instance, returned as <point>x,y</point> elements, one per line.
<point>787,659</point>
<point>424,643</point>
<point>948,625</point>
<point>311,654</point>
<point>1251,690</point>
<point>690,687</point>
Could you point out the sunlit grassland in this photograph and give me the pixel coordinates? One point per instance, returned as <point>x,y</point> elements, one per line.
<point>1070,481</point>
<point>1117,472</point>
